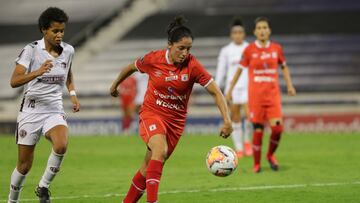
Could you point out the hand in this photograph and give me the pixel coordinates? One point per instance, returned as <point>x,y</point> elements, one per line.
<point>113,90</point>
<point>226,130</point>
<point>76,104</point>
<point>44,68</point>
<point>291,91</point>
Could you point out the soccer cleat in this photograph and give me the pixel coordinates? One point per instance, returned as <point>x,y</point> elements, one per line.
<point>239,154</point>
<point>43,193</point>
<point>257,168</point>
<point>248,149</point>
<point>274,165</point>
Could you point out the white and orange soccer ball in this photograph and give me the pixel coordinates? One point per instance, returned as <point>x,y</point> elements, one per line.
<point>221,160</point>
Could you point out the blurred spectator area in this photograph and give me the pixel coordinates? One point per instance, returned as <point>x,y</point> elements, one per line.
<point>19,26</point>
<point>320,40</point>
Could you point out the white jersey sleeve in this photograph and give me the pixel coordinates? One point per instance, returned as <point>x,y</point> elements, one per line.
<point>221,68</point>
<point>25,56</point>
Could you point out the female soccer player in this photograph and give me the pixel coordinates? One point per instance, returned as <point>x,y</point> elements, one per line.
<point>262,59</point>
<point>44,68</point>
<point>228,61</point>
<point>127,94</point>
<point>172,74</point>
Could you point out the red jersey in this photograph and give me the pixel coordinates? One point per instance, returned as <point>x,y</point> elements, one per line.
<point>127,91</point>
<point>170,86</point>
<point>128,87</point>
<point>262,64</point>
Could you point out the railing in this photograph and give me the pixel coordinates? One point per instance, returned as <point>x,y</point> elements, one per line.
<point>98,23</point>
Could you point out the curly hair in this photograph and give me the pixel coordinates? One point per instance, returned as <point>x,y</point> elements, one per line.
<point>50,15</point>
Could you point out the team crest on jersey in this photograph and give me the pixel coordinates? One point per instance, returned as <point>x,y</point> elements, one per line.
<point>255,55</point>
<point>152,127</point>
<point>63,65</point>
<point>22,133</point>
<point>274,55</point>
<point>184,77</point>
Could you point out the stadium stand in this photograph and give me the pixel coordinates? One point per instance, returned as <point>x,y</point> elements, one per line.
<point>323,58</point>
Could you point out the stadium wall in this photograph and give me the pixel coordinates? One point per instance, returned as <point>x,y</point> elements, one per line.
<point>333,123</point>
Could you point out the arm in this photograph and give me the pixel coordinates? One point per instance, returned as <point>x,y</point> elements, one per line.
<point>20,77</point>
<point>290,87</point>
<point>220,101</point>
<point>71,88</point>
<point>125,72</point>
<point>233,83</point>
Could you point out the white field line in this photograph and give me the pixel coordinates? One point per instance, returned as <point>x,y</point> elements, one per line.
<point>247,188</point>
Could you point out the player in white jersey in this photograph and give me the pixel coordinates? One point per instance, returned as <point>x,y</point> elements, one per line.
<point>43,68</point>
<point>228,62</point>
<point>141,86</point>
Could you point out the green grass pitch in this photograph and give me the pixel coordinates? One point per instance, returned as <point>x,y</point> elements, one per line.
<point>314,168</point>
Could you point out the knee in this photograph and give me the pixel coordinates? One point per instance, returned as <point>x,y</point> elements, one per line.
<point>159,153</point>
<point>258,127</point>
<point>24,167</point>
<point>60,149</point>
<point>277,129</point>
<point>235,117</point>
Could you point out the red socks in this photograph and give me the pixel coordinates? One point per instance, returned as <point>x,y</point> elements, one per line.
<point>274,139</point>
<point>153,175</point>
<point>150,183</point>
<point>136,189</point>
<point>257,141</point>
<point>126,122</point>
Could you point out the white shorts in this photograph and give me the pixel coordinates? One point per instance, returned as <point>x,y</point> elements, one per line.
<point>30,126</point>
<point>240,96</point>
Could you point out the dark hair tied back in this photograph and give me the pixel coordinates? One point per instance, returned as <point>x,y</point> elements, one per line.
<point>237,22</point>
<point>176,30</point>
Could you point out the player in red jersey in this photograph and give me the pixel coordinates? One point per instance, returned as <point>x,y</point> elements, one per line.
<point>127,91</point>
<point>172,74</point>
<point>262,59</point>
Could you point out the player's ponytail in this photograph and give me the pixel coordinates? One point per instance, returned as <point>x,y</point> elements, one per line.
<point>176,30</point>
<point>236,22</point>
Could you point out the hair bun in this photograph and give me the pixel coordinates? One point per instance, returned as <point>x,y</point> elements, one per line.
<point>178,21</point>
<point>237,21</point>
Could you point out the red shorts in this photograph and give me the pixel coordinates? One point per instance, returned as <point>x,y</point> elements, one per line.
<point>127,100</point>
<point>262,113</point>
<point>151,124</point>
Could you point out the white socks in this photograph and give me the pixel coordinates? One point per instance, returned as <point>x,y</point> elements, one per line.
<point>18,179</point>
<point>17,182</point>
<point>237,136</point>
<point>247,130</point>
<point>53,166</point>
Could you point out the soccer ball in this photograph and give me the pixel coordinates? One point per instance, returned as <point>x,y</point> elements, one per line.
<point>221,160</point>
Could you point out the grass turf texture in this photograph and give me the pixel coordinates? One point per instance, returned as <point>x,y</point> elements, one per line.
<point>98,166</point>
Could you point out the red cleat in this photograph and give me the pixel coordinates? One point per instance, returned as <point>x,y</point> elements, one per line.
<point>257,168</point>
<point>240,154</point>
<point>274,165</point>
<point>248,149</point>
